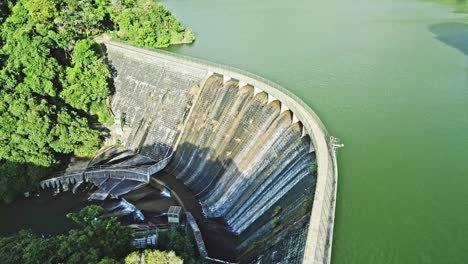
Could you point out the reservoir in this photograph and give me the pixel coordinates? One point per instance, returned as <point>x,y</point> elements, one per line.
<point>388,77</point>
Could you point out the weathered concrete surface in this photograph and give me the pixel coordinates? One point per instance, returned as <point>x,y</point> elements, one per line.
<point>151,98</point>
<point>243,158</point>
<point>197,234</point>
<point>319,238</point>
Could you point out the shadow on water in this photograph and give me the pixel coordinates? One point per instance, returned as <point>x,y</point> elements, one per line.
<point>452,34</point>
<point>44,214</point>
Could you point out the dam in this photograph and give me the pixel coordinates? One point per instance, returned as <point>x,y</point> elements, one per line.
<point>253,158</point>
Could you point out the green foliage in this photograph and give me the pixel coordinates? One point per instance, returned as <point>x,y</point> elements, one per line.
<point>172,258</point>
<point>54,82</point>
<point>181,244</point>
<point>153,257</point>
<point>41,11</point>
<point>86,83</point>
<point>83,18</point>
<point>36,125</point>
<point>11,248</point>
<point>38,251</point>
<point>313,168</point>
<point>101,111</point>
<point>189,36</point>
<point>100,237</point>
<point>277,211</point>
<point>306,206</point>
<point>276,221</point>
<point>86,215</point>
<point>108,261</point>
<point>97,241</point>
<point>146,23</point>
<point>25,125</point>
<point>133,258</point>
<point>72,134</point>
<point>17,178</point>
<point>4,9</point>
<point>28,67</point>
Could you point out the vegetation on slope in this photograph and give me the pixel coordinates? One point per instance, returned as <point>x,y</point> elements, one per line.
<point>95,240</point>
<point>54,81</point>
<point>36,126</point>
<point>182,245</point>
<point>86,81</point>
<point>148,24</point>
<point>153,256</point>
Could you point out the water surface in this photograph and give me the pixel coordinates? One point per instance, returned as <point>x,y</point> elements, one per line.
<point>44,214</point>
<point>387,77</point>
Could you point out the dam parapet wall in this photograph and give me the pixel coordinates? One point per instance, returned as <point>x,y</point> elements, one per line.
<point>141,96</point>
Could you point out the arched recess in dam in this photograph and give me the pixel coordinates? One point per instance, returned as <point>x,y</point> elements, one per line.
<point>255,158</point>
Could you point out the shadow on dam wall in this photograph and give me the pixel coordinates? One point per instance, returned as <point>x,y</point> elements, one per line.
<point>247,167</point>
<point>278,234</point>
<point>247,162</point>
<point>246,158</point>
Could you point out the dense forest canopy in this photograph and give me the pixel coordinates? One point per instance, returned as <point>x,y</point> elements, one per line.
<point>54,80</point>
<point>148,24</point>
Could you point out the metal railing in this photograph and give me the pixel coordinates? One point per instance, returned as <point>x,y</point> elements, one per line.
<point>95,168</point>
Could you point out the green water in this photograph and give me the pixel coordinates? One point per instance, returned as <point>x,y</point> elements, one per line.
<point>387,77</point>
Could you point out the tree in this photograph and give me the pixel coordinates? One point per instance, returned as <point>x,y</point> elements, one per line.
<point>35,125</point>
<point>181,244</point>
<point>27,248</point>
<point>54,82</point>
<point>81,19</point>
<point>25,125</point>
<point>108,261</point>
<point>11,248</point>
<point>72,134</point>
<point>86,216</point>
<point>149,24</point>
<point>153,257</point>
<point>86,82</point>
<point>38,251</point>
<point>97,239</point>
<point>41,10</point>
<point>133,258</point>
<point>4,10</point>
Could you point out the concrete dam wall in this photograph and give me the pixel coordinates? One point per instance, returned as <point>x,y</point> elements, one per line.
<point>154,98</point>
<point>252,154</point>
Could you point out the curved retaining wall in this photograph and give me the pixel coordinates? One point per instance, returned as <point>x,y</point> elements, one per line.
<point>106,177</point>
<point>320,232</point>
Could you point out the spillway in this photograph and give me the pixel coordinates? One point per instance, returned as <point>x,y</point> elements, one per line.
<point>251,154</point>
